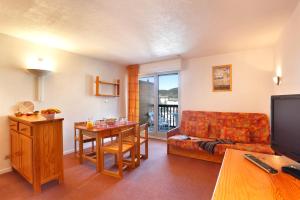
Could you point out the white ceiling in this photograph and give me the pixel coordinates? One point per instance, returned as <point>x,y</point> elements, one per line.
<point>139,31</point>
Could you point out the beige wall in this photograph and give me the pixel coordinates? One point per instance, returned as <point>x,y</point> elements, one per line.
<point>252,82</point>
<point>69,87</point>
<point>161,66</point>
<point>288,56</point>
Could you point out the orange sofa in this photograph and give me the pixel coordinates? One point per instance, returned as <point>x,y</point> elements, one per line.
<point>248,131</point>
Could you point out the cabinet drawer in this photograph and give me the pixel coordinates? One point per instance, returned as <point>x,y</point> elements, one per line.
<point>24,129</point>
<point>13,125</point>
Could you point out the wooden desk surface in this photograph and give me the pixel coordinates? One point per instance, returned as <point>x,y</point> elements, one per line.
<point>240,179</point>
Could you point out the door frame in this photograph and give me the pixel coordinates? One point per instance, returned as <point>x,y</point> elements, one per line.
<point>156,101</point>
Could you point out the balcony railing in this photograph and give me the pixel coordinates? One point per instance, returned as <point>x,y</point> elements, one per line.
<point>168,116</point>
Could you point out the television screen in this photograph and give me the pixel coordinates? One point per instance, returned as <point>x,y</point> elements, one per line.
<point>285,125</point>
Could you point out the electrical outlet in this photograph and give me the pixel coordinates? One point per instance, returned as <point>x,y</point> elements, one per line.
<point>7,157</point>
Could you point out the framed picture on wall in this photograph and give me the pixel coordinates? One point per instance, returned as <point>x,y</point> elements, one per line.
<point>222,78</point>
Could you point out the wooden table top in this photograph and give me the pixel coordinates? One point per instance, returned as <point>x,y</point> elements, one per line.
<point>99,128</point>
<point>240,179</point>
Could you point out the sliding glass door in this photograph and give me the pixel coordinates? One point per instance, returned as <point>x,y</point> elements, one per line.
<point>167,102</point>
<point>159,103</point>
<point>147,101</point>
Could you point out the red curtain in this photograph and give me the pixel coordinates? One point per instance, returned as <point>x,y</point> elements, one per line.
<point>133,93</point>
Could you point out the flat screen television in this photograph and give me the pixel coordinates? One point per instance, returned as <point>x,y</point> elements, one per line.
<point>285,129</point>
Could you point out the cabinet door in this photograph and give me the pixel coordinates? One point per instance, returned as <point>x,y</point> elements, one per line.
<point>15,150</point>
<point>26,156</point>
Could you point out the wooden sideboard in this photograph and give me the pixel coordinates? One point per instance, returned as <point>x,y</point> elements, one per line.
<point>37,149</point>
<point>240,179</point>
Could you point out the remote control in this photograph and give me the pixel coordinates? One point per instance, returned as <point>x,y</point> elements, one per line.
<point>260,164</point>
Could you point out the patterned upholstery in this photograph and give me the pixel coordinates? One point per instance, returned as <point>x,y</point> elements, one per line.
<point>255,125</point>
<point>261,148</point>
<point>191,144</point>
<point>172,132</point>
<point>220,149</point>
<point>195,127</point>
<point>235,134</point>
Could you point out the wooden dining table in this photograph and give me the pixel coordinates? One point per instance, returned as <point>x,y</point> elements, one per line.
<point>100,132</point>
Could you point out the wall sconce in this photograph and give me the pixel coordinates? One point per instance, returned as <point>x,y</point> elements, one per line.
<point>40,68</point>
<point>278,75</point>
<point>277,80</point>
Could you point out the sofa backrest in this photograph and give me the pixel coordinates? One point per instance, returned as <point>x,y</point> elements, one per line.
<point>257,123</point>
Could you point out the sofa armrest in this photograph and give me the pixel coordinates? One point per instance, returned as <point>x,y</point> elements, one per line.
<point>172,132</point>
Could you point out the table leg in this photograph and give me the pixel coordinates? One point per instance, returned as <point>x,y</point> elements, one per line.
<point>80,147</point>
<point>37,187</point>
<point>137,133</point>
<point>98,159</point>
<point>138,155</point>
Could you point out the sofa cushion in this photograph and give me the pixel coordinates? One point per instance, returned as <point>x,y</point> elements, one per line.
<point>192,144</point>
<point>260,135</point>
<point>188,144</point>
<point>260,148</point>
<point>235,134</point>
<point>197,127</point>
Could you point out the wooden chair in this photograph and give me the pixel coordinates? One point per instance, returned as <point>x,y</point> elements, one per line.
<point>86,137</point>
<point>125,142</point>
<point>144,139</point>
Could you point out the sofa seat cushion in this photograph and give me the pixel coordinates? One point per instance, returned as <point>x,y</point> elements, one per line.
<point>260,148</point>
<point>188,144</point>
<point>241,135</point>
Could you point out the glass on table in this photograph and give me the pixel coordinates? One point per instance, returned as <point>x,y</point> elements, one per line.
<point>97,122</point>
<point>102,122</point>
<point>89,124</point>
<point>122,120</point>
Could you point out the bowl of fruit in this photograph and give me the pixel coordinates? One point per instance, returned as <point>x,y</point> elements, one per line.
<point>50,113</point>
<point>18,114</point>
